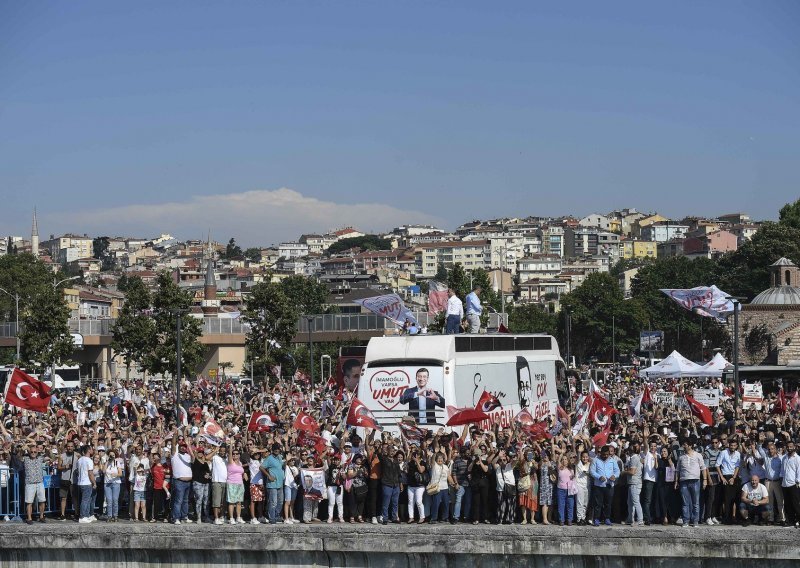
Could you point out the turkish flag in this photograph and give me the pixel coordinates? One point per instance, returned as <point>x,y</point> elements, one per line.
<point>601,438</point>
<point>260,422</point>
<point>700,411</point>
<point>780,405</point>
<point>461,416</point>
<point>601,410</point>
<point>524,417</point>
<point>320,444</point>
<point>305,423</point>
<point>538,431</point>
<point>488,402</point>
<point>23,391</point>
<point>360,415</point>
<point>794,404</point>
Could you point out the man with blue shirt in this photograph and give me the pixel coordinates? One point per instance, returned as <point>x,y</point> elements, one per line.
<point>272,469</point>
<point>474,310</point>
<point>728,463</point>
<point>773,465</point>
<point>605,472</point>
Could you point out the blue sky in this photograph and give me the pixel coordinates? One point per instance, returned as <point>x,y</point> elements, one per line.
<point>263,119</point>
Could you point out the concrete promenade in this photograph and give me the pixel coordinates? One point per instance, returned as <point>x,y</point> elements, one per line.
<point>139,544</point>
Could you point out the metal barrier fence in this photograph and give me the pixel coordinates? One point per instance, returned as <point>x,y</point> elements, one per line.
<point>12,496</point>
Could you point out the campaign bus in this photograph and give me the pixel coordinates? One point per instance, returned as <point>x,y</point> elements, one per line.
<point>421,376</point>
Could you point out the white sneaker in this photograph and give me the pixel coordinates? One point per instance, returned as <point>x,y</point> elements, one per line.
<point>84,520</point>
<point>679,522</point>
<point>640,524</point>
<point>219,522</point>
<point>330,521</point>
<point>254,522</point>
<point>287,522</point>
<point>241,521</point>
<point>92,518</point>
<point>232,521</point>
<point>716,521</point>
<point>710,521</point>
<point>188,521</point>
<point>374,521</point>
<point>177,522</point>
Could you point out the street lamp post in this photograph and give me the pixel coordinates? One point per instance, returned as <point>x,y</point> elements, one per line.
<point>736,357</point>
<point>505,248</point>
<point>568,330</point>
<point>53,364</point>
<point>614,340</point>
<point>310,320</point>
<point>15,295</point>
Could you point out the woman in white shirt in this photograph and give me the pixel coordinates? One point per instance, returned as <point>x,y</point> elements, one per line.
<point>582,478</point>
<point>113,471</point>
<point>290,475</point>
<point>440,475</point>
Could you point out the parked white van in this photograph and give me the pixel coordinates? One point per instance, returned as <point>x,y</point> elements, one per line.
<point>423,375</point>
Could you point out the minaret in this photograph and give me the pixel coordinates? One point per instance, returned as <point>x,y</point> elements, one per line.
<point>210,304</point>
<point>35,236</point>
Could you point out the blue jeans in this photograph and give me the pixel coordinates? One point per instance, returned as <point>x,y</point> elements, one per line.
<point>463,500</point>
<point>391,496</point>
<point>441,498</point>
<point>690,492</point>
<point>566,504</point>
<point>86,501</point>
<point>180,500</point>
<point>453,325</point>
<point>274,504</point>
<point>112,499</point>
<point>201,491</point>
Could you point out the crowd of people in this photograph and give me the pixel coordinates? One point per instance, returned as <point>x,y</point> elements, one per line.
<point>273,453</point>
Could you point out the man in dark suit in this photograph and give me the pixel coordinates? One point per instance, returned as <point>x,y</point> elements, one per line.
<point>422,400</point>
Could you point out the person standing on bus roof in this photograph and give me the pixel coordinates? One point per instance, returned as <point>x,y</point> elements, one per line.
<point>455,312</point>
<point>474,310</point>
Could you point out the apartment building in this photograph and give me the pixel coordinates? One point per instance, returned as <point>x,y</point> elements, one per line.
<point>552,238</point>
<point>292,250</point>
<point>68,247</point>
<point>634,248</point>
<point>664,231</point>
<point>471,255</point>
<point>539,266</point>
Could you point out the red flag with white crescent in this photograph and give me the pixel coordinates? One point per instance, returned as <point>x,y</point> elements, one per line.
<point>488,402</point>
<point>305,423</point>
<point>360,415</point>
<point>260,422</point>
<point>601,410</point>
<point>700,411</point>
<point>23,391</point>
<point>524,417</point>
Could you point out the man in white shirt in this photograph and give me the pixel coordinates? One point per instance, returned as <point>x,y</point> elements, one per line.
<point>754,501</point>
<point>182,457</point>
<point>791,484</point>
<point>86,483</point>
<point>219,480</point>
<point>649,472</point>
<point>455,312</point>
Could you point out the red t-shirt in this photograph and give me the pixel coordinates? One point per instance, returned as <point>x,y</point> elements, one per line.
<point>158,476</point>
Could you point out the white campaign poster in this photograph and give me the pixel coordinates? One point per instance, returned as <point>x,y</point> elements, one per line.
<point>392,393</point>
<point>752,396</point>
<point>709,397</point>
<point>517,385</point>
<point>663,398</point>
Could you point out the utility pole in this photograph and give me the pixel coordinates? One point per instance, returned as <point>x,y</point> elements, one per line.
<point>613,340</point>
<point>310,320</point>
<point>736,357</point>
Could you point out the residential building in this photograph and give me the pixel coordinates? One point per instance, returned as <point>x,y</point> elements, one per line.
<point>646,221</point>
<point>744,232</point>
<point>539,266</point>
<point>68,247</point>
<point>416,230</point>
<point>634,248</point>
<point>663,231</point>
<point>470,254</point>
<point>596,221</point>
<point>626,218</point>
<point>373,260</point>
<point>317,244</point>
<point>711,245</point>
<point>538,290</point>
<point>735,218</point>
<point>347,233</point>
<point>626,280</point>
<point>84,266</point>
<point>93,306</point>
<point>552,237</point>
<point>589,241</point>
<point>292,250</point>
<point>670,248</point>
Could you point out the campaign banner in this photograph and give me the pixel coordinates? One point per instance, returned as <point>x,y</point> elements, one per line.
<point>752,396</point>
<point>437,297</point>
<point>313,481</point>
<point>390,306</point>
<point>707,397</point>
<point>663,398</point>
<point>707,301</point>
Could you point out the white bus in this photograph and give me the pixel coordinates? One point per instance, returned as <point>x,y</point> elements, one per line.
<point>423,375</point>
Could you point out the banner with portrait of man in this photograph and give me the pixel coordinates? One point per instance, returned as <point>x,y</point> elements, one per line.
<point>313,481</point>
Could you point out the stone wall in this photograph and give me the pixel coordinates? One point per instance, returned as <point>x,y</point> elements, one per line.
<point>783,324</point>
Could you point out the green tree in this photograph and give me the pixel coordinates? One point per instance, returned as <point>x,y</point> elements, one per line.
<point>756,342</point>
<point>597,309</point>
<point>531,318</point>
<point>43,314</point>
<point>745,272</point>
<point>458,280</point>
<point>272,319</point>
<point>168,299</point>
<point>232,250</point>
<point>253,254</point>
<point>134,331</point>
<point>790,215</point>
<point>441,273</point>
<point>306,294</point>
<point>627,263</point>
<point>367,242</point>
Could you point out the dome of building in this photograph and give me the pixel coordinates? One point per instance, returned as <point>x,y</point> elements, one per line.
<point>782,295</point>
<point>783,274</point>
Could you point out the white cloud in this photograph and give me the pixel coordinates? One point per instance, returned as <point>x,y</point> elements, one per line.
<point>259,217</point>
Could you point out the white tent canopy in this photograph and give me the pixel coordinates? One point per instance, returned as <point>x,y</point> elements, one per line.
<point>714,368</point>
<point>673,366</point>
